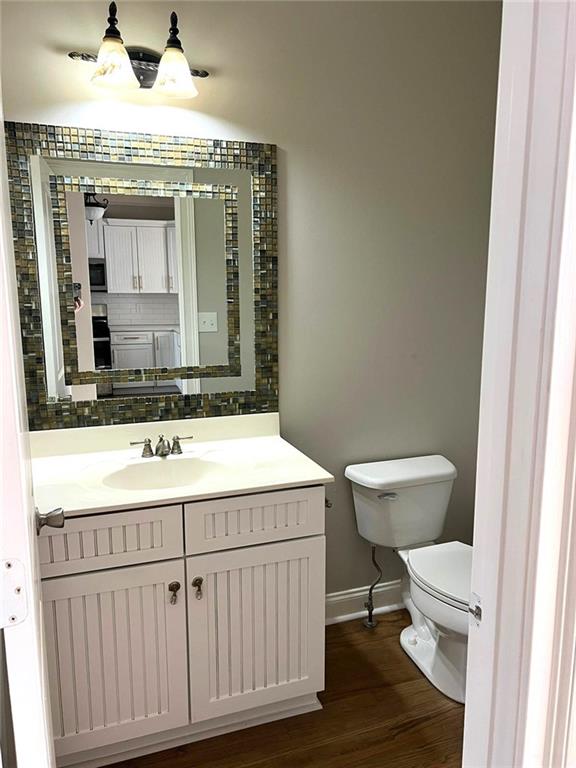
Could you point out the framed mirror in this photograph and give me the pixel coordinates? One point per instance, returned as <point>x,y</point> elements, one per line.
<point>150,267</point>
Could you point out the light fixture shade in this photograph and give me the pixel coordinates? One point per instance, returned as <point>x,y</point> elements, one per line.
<point>113,67</point>
<point>93,208</point>
<point>174,78</point>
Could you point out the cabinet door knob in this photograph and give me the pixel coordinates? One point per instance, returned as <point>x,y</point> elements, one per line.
<point>173,587</point>
<point>197,582</point>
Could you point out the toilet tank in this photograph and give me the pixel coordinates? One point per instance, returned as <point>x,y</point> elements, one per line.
<point>402,502</point>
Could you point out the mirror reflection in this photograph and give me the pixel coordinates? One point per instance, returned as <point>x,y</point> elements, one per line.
<point>142,271</point>
<point>143,276</point>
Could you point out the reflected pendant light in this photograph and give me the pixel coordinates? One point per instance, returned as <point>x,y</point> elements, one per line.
<point>113,66</point>
<point>93,208</point>
<point>174,77</point>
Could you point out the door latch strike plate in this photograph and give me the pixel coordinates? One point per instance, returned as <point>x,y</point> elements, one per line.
<point>13,603</point>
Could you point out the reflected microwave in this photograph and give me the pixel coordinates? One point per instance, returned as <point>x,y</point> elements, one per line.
<point>97,272</point>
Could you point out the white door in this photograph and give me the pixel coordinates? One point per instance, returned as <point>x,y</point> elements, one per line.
<point>255,625</point>
<point>95,239</point>
<point>20,610</point>
<point>121,259</point>
<point>152,260</point>
<point>48,278</point>
<point>173,281</point>
<point>516,708</point>
<point>116,654</point>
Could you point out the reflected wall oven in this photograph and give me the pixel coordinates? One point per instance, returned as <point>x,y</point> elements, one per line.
<point>101,337</point>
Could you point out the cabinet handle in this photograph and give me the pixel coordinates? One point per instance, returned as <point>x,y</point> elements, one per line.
<point>173,587</point>
<point>197,582</point>
<point>140,282</point>
<point>171,283</point>
<point>134,282</point>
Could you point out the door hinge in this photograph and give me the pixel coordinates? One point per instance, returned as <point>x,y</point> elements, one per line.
<point>13,603</point>
<point>475,608</point>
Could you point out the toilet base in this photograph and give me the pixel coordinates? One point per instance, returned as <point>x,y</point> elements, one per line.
<point>442,659</point>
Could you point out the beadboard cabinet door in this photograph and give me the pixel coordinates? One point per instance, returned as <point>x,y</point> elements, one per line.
<point>152,260</point>
<point>121,259</point>
<point>116,655</point>
<point>256,625</point>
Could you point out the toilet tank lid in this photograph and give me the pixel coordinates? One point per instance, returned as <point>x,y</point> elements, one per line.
<point>396,473</point>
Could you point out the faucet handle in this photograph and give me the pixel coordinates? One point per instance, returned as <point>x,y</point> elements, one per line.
<point>176,447</point>
<point>147,451</point>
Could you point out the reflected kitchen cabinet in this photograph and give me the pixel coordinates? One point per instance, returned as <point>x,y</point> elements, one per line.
<point>135,355</point>
<point>165,349</point>
<point>138,257</point>
<point>172,259</point>
<point>152,259</point>
<point>121,259</point>
<point>95,239</point>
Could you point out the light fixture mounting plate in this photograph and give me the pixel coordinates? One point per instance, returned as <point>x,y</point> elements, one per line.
<point>144,63</point>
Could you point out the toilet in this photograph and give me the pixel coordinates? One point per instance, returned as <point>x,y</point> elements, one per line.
<point>402,504</point>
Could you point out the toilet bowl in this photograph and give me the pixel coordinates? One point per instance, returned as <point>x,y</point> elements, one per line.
<point>402,504</point>
<point>436,588</point>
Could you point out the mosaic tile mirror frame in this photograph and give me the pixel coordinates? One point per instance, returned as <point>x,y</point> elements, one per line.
<point>69,143</point>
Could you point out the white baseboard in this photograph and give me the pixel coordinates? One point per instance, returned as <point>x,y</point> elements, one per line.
<point>349,605</point>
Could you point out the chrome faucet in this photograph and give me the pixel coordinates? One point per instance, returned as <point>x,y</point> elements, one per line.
<point>162,447</point>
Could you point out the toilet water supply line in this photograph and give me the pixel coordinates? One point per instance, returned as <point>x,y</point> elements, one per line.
<point>370,622</point>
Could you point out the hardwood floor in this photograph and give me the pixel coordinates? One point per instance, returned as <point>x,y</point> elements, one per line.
<point>379,712</point>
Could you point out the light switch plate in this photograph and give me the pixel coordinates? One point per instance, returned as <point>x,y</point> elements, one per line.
<point>208,322</point>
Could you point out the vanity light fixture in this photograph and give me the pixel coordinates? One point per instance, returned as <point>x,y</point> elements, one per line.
<point>113,67</point>
<point>93,208</point>
<point>118,67</point>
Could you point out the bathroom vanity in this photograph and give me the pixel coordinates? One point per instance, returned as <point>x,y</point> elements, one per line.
<point>184,596</point>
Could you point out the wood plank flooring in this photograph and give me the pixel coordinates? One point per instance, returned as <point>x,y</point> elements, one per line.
<point>379,712</point>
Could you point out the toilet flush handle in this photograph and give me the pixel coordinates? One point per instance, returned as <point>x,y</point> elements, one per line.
<point>388,496</point>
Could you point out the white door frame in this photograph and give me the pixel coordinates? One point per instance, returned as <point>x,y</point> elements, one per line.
<point>25,660</point>
<point>519,683</point>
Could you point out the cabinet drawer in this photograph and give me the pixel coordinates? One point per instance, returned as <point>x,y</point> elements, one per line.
<point>129,337</point>
<point>107,541</point>
<point>244,520</point>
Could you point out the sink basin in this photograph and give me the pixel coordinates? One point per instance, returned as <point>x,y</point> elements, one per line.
<point>159,473</point>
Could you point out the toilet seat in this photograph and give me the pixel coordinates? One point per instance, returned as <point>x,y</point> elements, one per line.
<point>443,571</point>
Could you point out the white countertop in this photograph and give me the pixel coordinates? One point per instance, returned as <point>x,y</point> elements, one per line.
<point>89,482</point>
<point>135,328</point>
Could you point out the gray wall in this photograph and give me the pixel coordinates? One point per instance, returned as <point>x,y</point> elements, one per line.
<point>383,113</point>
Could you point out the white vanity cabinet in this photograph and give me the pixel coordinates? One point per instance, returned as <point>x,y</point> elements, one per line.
<point>180,621</point>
